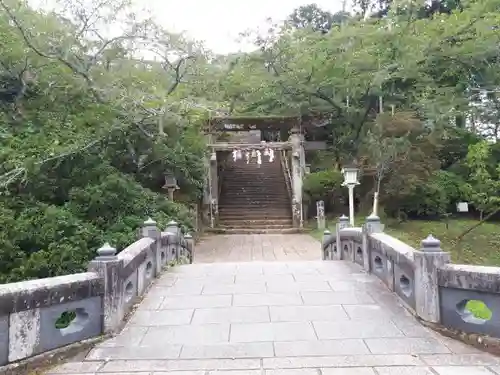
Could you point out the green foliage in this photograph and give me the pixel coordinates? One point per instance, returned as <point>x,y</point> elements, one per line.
<point>322,185</point>
<point>88,130</point>
<point>479,309</point>
<point>484,187</point>
<point>439,195</point>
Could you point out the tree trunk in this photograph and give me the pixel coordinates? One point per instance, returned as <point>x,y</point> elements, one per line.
<point>375,203</point>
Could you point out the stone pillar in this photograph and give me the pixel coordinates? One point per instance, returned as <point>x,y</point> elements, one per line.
<point>326,252</point>
<point>109,268</point>
<point>150,230</point>
<point>174,240</point>
<point>427,262</point>
<point>372,225</point>
<point>190,247</point>
<point>320,214</point>
<point>213,190</point>
<point>296,172</point>
<point>342,223</point>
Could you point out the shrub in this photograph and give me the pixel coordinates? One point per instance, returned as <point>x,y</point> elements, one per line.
<point>322,186</point>
<point>436,197</point>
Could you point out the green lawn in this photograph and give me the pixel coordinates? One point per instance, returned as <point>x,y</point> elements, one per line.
<point>481,246</point>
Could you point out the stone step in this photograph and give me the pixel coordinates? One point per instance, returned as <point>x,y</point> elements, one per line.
<point>244,221</point>
<point>252,194</point>
<point>263,173</point>
<point>259,203</point>
<point>233,218</point>
<point>282,209</point>
<point>242,209</point>
<point>251,181</point>
<point>253,184</point>
<point>283,212</point>
<point>247,189</point>
<point>255,231</point>
<point>252,187</point>
<point>253,226</point>
<point>255,201</point>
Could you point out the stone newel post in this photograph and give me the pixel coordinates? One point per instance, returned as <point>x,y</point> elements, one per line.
<point>327,253</point>
<point>342,223</point>
<point>372,225</point>
<point>150,230</point>
<point>109,268</point>
<point>174,240</point>
<point>190,247</point>
<point>427,262</point>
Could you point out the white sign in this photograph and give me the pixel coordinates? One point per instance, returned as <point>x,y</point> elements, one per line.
<point>462,207</point>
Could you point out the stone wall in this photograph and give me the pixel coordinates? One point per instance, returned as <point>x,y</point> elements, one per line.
<point>424,279</point>
<point>95,302</point>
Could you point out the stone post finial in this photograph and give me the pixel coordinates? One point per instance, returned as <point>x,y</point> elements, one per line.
<point>343,222</point>
<point>373,224</point>
<point>172,224</point>
<point>431,244</point>
<point>149,222</point>
<point>106,252</point>
<point>149,229</point>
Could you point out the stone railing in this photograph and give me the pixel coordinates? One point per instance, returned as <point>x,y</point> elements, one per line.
<point>37,316</point>
<point>285,167</point>
<point>435,290</point>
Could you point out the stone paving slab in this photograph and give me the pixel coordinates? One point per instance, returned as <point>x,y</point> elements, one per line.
<point>257,247</point>
<point>277,318</point>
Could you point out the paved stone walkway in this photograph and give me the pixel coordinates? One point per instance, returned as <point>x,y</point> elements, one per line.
<point>257,247</point>
<point>276,318</point>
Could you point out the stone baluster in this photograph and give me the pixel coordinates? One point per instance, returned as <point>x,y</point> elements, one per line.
<point>109,268</point>
<point>150,230</point>
<point>428,260</point>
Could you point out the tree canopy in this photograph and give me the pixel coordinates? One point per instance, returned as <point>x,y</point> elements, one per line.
<point>99,103</point>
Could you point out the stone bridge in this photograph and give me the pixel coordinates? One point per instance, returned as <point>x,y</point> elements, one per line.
<point>360,303</point>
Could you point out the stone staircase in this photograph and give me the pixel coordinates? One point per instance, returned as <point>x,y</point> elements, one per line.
<point>254,198</point>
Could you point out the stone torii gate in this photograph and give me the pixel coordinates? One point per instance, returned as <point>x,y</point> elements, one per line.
<point>281,134</point>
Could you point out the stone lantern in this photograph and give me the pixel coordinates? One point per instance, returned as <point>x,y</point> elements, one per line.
<point>170,185</point>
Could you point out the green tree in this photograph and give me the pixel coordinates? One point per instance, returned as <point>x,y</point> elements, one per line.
<point>483,181</point>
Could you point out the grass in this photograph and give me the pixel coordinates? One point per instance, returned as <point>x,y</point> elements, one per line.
<point>479,309</point>
<point>481,246</point>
